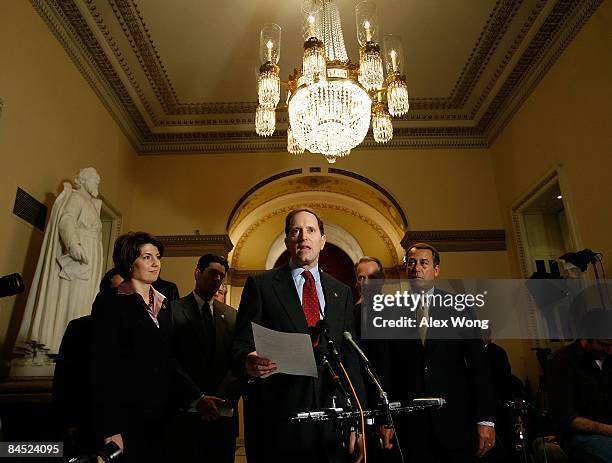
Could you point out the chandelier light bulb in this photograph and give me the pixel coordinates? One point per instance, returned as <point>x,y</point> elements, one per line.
<point>311,25</point>
<point>331,159</point>
<point>312,22</point>
<point>393,55</point>
<point>366,26</point>
<point>269,43</point>
<point>367,22</point>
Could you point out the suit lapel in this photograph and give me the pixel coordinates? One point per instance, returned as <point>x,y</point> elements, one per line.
<point>193,317</point>
<point>284,287</point>
<point>221,328</point>
<point>165,323</point>
<point>334,311</point>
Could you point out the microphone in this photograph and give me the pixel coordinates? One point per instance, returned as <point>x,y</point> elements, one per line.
<point>352,342</point>
<point>429,401</point>
<point>335,379</point>
<point>322,328</point>
<point>321,359</point>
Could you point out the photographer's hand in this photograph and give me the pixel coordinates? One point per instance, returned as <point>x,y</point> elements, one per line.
<point>117,439</point>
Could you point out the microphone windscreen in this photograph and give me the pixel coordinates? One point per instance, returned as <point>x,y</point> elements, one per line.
<point>347,335</point>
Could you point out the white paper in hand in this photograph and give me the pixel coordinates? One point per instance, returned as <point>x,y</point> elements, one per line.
<point>292,352</point>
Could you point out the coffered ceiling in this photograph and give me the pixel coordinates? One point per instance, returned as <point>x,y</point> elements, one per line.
<point>179,76</point>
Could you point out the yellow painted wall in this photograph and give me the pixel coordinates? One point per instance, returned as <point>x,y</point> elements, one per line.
<point>51,126</point>
<point>180,271</point>
<point>453,189</point>
<point>437,189</point>
<point>566,120</point>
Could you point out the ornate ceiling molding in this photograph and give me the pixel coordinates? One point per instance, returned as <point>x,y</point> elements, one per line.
<point>499,73</point>
<point>558,30</point>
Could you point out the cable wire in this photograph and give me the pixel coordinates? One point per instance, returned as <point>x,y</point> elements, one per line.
<point>363,435</point>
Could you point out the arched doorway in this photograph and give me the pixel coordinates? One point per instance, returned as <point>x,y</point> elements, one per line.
<point>333,261</point>
<point>361,218</point>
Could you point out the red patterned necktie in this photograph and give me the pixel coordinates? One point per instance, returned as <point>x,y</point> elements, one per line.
<point>310,300</point>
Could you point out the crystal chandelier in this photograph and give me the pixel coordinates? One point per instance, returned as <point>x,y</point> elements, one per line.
<point>330,100</point>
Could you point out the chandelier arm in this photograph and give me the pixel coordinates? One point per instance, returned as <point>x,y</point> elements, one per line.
<point>378,90</point>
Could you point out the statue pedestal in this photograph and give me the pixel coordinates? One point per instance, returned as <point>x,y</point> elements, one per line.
<point>27,409</point>
<point>31,370</point>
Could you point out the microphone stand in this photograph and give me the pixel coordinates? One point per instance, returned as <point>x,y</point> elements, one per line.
<point>384,399</point>
<point>335,379</point>
<point>321,328</point>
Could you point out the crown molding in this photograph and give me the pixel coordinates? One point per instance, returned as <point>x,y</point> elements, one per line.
<point>239,277</point>
<point>554,35</point>
<point>195,245</point>
<point>457,240</point>
<point>470,117</point>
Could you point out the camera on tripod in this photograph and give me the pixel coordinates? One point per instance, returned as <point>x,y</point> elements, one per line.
<point>109,453</point>
<point>11,285</point>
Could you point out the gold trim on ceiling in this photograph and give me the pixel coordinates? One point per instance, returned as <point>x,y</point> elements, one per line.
<point>455,123</point>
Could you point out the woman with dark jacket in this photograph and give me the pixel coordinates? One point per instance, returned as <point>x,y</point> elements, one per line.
<point>131,353</point>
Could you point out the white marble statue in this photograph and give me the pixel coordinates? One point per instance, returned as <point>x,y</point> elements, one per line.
<point>70,265</point>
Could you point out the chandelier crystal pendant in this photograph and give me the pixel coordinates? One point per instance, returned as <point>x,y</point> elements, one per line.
<point>292,145</point>
<point>382,128</point>
<point>330,100</point>
<point>265,121</point>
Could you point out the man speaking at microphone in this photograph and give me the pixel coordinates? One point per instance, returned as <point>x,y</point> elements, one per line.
<point>293,299</point>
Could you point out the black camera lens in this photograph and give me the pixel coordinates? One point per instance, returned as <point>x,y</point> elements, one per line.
<point>109,452</point>
<point>11,285</point>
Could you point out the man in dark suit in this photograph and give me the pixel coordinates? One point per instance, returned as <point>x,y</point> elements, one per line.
<point>455,369</point>
<point>370,276</point>
<point>167,288</point>
<point>291,299</point>
<point>203,333</point>
<point>501,371</point>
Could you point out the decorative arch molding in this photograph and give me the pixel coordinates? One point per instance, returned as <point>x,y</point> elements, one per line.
<point>332,203</point>
<point>322,180</point>
<point>335,234</point>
